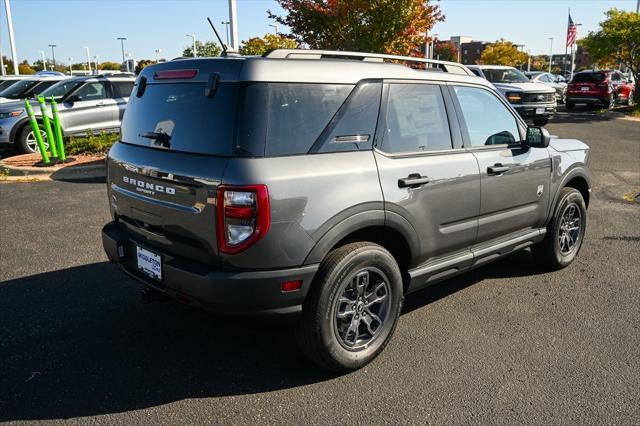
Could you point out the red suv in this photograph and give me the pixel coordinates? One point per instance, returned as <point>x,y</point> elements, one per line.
<point>600,87</point>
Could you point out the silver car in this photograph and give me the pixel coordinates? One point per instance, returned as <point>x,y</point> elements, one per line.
<point>85,103</point>
<point>556,81</point>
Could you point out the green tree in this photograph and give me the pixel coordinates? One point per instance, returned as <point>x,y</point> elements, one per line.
<point>446,51</point>
<point>142,64</point>
<point>209,48</point>
<point>616,41</point>
<point>503,52</point>
<point>110,66</point>
<point>539,63</point>
<point>260,45</point>
<point>380,26</point>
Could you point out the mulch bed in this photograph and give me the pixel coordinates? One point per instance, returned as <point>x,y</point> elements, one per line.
<point>31,160</point>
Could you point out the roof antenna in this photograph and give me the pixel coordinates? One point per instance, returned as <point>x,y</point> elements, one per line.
<point>225,48</point>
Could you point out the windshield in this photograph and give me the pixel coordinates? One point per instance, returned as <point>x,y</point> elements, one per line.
<point>61,89</point>
<point>18,90</point>
<point>504,75</point>
<point>6,83</point>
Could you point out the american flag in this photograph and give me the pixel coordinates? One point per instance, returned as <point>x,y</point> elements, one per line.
<point>572,32</point>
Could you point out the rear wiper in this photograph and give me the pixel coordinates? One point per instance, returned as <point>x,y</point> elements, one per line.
<point>162,138</point>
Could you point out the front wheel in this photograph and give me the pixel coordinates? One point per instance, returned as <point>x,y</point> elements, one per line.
<point>565,232</point>
<point>352,308</point>
<point>26,140</point>
<point>540,121</point>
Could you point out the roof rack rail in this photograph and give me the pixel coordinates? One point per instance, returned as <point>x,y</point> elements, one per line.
<point>112,74</point>
<point>450,67</point>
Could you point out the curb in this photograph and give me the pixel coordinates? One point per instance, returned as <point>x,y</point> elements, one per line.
<point>71,172</point>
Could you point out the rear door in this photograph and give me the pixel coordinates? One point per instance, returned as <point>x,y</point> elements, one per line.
<point>514,178</point>
<point>92,108</point>
<point>425,175</point>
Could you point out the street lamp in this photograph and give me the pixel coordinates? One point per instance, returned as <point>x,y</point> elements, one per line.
<point>53,54</point>
<point>88,57</point>
<point>44,61</point>
<point>158,55</point>
<point>193,37</point>
<point>274,26</point>
<point>122,39</point>
<point>95,61</point>
<point>70,65</point>
<point>226,24</point>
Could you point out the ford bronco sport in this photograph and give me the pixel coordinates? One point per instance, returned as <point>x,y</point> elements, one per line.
<point>330,185</point>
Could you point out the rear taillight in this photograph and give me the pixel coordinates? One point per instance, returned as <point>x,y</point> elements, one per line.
<point>242,216</point>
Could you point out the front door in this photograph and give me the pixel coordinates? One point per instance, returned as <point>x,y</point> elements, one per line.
<point>514,178</point>
<point>424,179</point>
<point>91,109</point>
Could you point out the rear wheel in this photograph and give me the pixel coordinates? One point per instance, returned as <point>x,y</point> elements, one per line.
<point>565,232</point>
<point>353,307</point>
<point>26,140</point>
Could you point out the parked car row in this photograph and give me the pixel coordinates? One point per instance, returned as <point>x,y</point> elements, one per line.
<point>604,87</point>
<point>94,103</point>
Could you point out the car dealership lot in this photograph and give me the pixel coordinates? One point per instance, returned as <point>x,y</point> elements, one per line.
<point>502,342</point>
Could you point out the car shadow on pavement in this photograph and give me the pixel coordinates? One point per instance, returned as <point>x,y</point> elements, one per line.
<point>586,114</point>
<point>81,342</point>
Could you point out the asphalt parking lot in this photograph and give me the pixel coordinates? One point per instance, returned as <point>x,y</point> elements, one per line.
<point>502,344</point>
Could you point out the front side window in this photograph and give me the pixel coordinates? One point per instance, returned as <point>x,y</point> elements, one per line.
<point>91,92</point>
<point>61,89</point>
<point>488,120</point>
<point>416,119</point>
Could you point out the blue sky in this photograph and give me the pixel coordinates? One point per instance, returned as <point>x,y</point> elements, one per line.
<point>153,24</point>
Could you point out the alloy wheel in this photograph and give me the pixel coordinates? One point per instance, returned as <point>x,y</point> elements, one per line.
<point>33,144</point>
<point>569,229</point>
<point>362,308</point>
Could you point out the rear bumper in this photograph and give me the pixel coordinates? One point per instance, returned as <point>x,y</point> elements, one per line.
<point>587,99</point>
<point>226,292</point>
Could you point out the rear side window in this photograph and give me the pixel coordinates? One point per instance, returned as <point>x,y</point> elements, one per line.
<point>122,89</point>
<point>193,122</point>
<point>589,77</point>
<point>416,119</point>
<point>298,113</point>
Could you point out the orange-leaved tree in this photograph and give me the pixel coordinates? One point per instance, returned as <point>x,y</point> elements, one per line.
<point>378,26</point>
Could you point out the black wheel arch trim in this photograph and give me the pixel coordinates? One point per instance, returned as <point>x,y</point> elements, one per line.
<point>579,171</point>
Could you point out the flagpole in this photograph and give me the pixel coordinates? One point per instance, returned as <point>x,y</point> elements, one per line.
<point>565,47</point>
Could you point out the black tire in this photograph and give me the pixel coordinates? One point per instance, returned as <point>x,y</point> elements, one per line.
<point>25,133</point>
<point>610,103</point>
<point>551,253</point>
<point>540,121</point>
<point>319,329</point>
<point>570,105</point>
<point>631,101</point>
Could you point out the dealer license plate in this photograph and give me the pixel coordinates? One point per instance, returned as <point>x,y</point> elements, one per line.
<point>149,263</point>
<point>584,88</point>
<point>539,110</point>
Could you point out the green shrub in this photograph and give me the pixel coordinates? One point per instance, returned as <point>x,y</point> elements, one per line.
<point>92,143</point>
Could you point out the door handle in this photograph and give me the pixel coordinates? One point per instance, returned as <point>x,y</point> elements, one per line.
<point>414,180</point>
<point>497,169</point>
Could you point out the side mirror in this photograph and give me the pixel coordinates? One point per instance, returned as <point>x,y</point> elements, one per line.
<point>537,137</point>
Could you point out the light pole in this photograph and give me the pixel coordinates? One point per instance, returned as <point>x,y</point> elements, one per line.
<point>53,54</point>
<point>193,37</point>
<point>158,55</point>
<point>233,18</point>
<point>95,62</point>
<point>70,65</point>
<point>44,61</point>
<point>226,24</point>
<point>12,40</point>
<point>122,39</point>
<point>528,60</point>
<point>274,26</point>
<point>550,53</point>
<point>129,55</point>
<point>88,57</point>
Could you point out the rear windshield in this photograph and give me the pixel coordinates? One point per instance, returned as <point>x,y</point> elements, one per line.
<point>240,119</point>
<point>588,77</point>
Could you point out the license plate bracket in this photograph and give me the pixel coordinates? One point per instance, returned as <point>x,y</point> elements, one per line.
<point>539,111</point>
<point>149,263</point>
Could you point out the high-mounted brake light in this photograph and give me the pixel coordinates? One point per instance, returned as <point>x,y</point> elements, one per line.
<point>174,74</point>
<point>242,216</point>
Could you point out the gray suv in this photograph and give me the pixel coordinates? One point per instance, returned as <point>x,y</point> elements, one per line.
<point>329,185</point>
<point>84,103</point>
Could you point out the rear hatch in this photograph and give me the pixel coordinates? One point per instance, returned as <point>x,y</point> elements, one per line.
<point>177,136</point>
<point>589,84</point>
